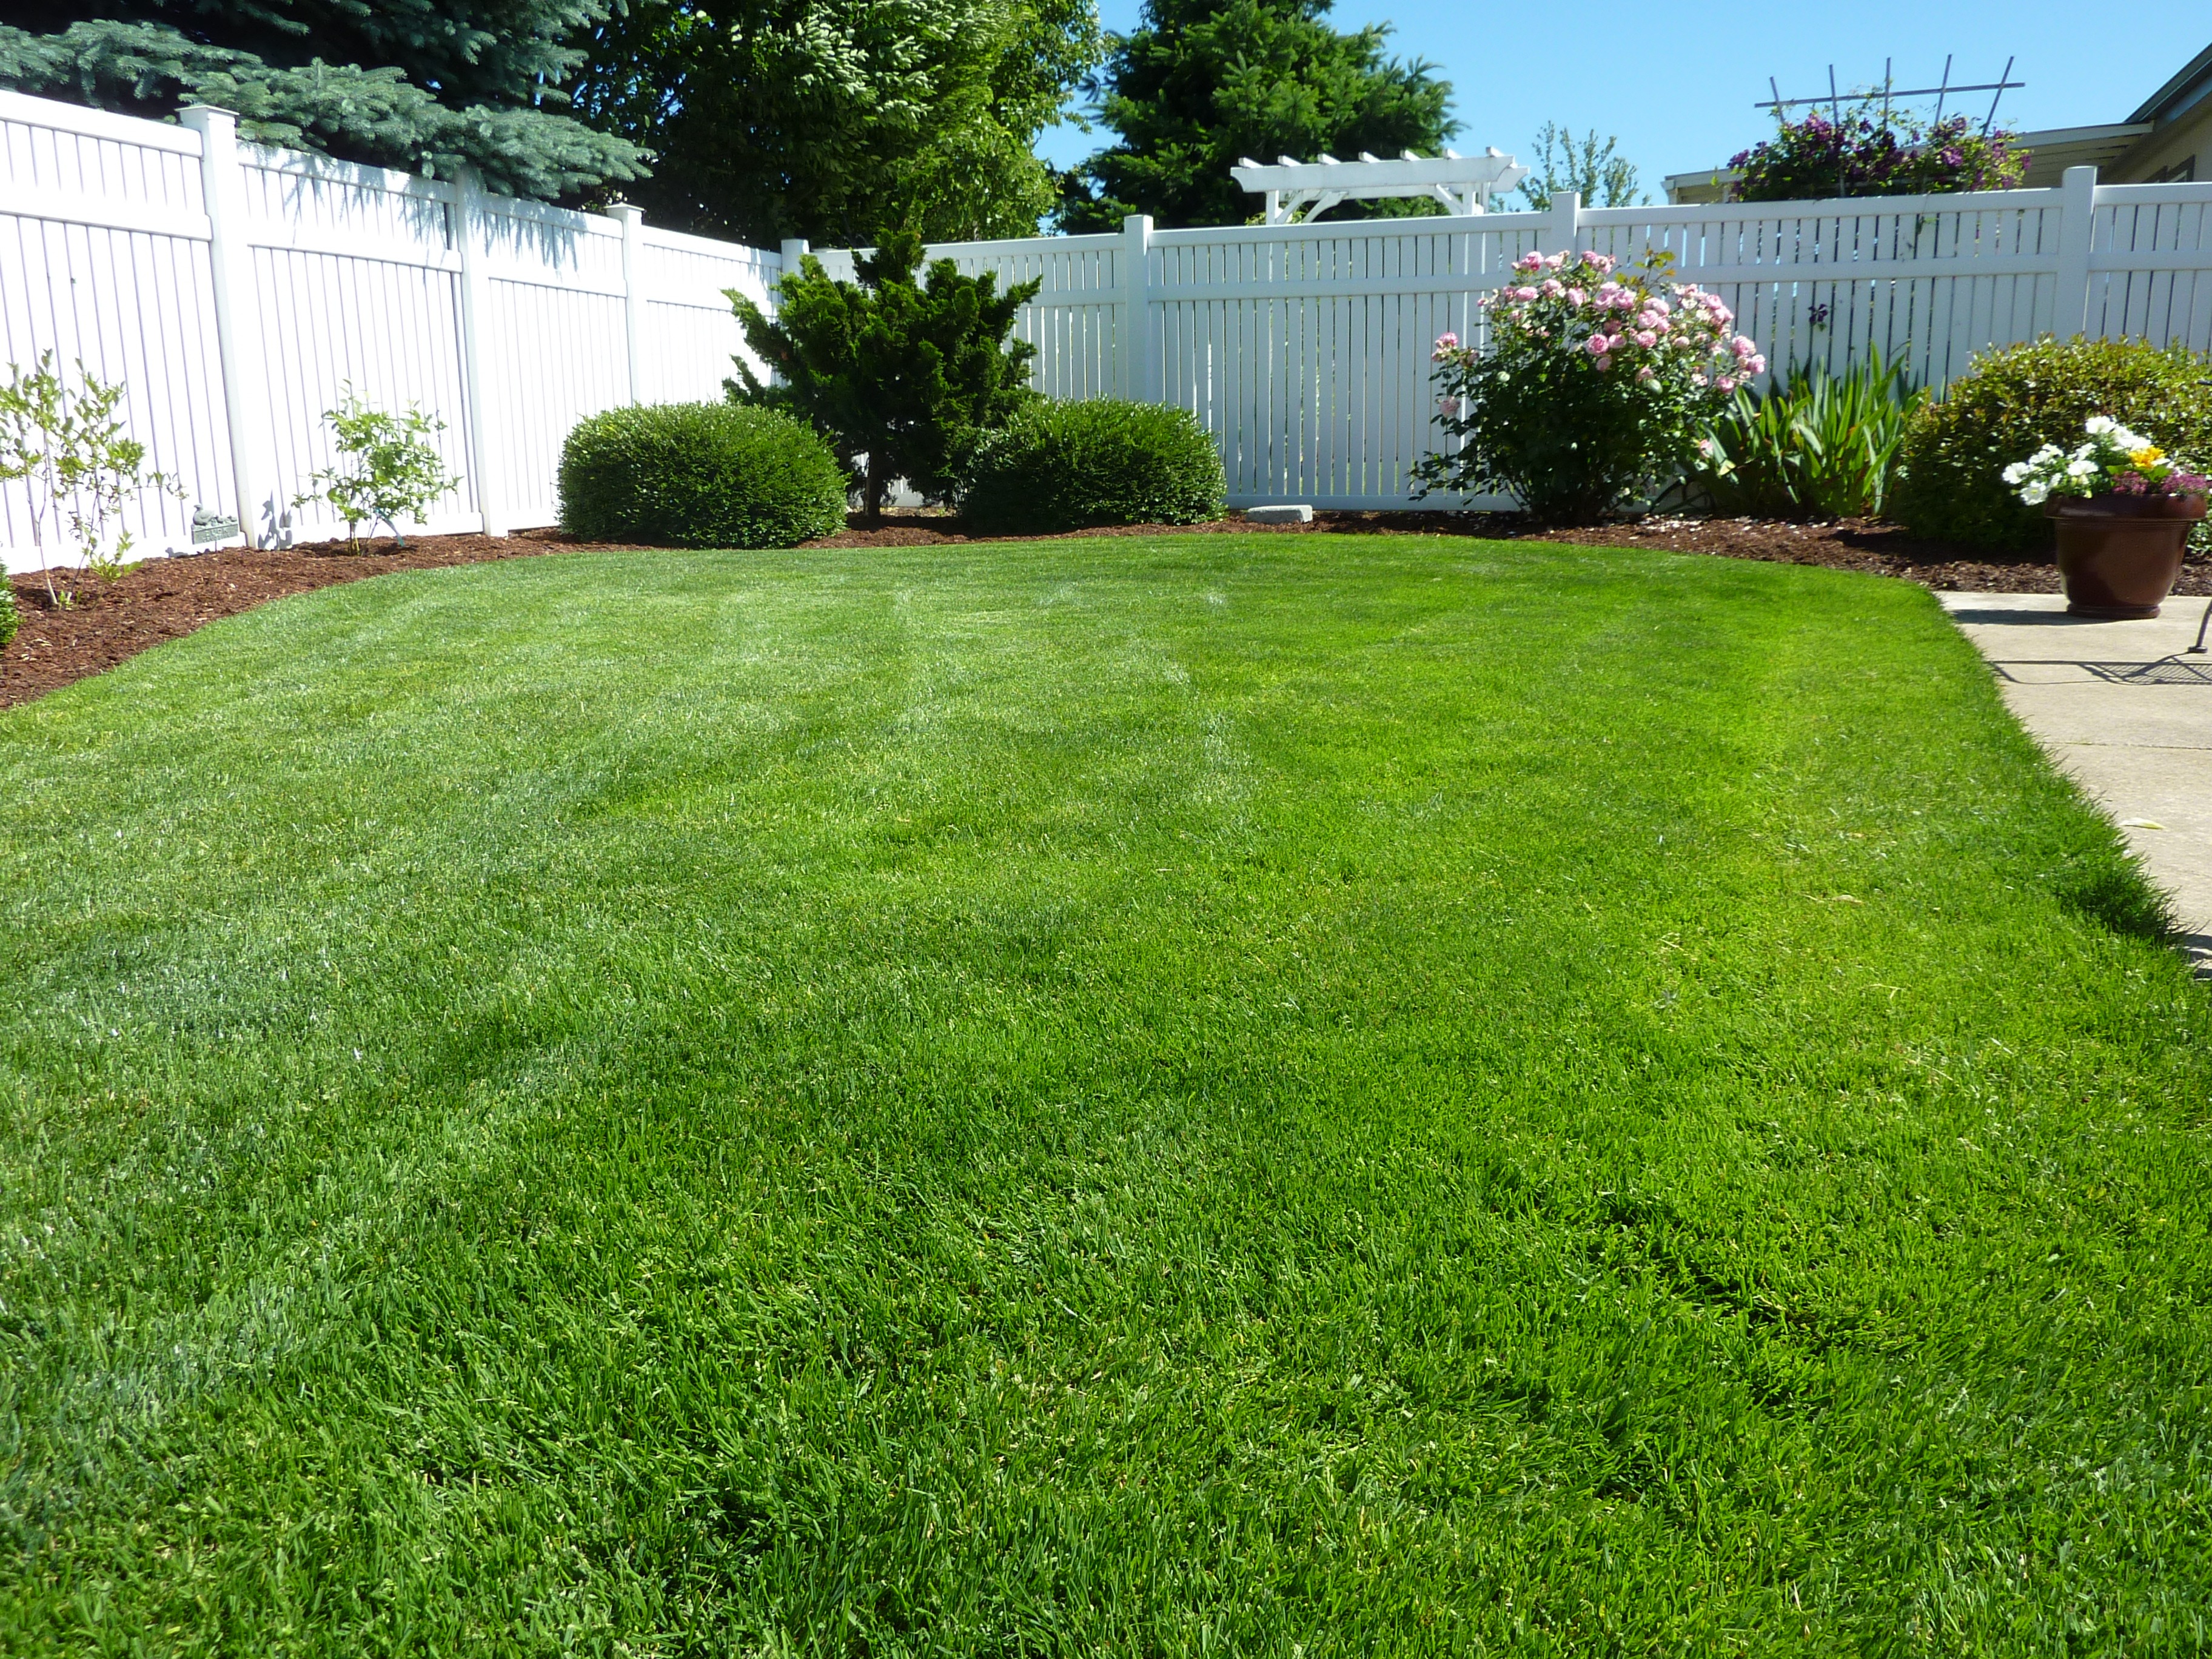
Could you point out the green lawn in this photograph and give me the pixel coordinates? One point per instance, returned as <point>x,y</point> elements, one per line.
<point>1210,1096</point>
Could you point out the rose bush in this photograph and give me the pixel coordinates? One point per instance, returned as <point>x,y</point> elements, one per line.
<point>1598,381</point>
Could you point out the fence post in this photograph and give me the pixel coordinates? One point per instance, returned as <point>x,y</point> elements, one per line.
<point>468,233</point>
<point>1139,372</point>
<point>794,249</point>
<point>1566,221</point>
<point>237,319</point>
<point>632,220</point>
<point>2078,224</point>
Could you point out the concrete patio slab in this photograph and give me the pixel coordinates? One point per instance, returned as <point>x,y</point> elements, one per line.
<point>2125,709</point>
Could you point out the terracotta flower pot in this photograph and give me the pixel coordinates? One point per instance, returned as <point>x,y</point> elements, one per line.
<point>2118,555</point>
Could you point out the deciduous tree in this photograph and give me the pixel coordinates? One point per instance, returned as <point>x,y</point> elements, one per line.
<point>836,119</point>
<point>1202,84</point>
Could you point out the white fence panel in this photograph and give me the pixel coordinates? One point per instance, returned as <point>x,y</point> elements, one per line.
<point>104,261</point>
<point>1306,348</point>
<point>356,288</point>
<point>691,334</point>
<point>507,320</point>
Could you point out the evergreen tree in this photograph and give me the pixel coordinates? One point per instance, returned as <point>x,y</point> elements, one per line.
<point>423,85</point>
<point>903,372</point>
<point>1203,82</point>
<point>839,119</point>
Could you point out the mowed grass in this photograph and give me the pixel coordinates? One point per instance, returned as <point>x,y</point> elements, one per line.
<point>1207,1096</point>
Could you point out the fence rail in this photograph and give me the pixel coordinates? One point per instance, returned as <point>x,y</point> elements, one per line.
<point>1305,349</point>
<point>237,290</point>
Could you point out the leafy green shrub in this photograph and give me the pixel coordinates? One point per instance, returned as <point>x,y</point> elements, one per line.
<point>1060,466</point>
<point>699,475</point>
<point>10,619</point>
<point>78,464</point>
<point>905,371</point>
<point>1815,445</point>
<point>1951,485</point>
<point>389,469</point>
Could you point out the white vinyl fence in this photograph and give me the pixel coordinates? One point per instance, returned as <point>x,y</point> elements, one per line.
<point>1305,349</point>
<point>236,291</point>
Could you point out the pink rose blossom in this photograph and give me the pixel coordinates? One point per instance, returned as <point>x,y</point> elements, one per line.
<point>1646,337</point>
<point>1597,345</point>
<point>1576,297</point>
<point>1756,364</point>
<point>1646,374</point>
<point>1726,383</point>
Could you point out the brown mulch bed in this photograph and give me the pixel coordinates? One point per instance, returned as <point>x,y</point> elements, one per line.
<point>165,598</point>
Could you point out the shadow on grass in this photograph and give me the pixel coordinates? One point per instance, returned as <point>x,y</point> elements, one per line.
<point>2107,889</point>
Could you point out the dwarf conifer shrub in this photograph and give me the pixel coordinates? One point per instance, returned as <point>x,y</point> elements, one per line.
<point>1951,484</point>
<point>700,474</point>
<point>1066,465</point>
<point>9,619</point>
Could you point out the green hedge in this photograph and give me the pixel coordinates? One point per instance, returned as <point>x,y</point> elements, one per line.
<point>8,617</point>
<point>1065,465</point>
<point>700,474</point>
<point>2013,402</point>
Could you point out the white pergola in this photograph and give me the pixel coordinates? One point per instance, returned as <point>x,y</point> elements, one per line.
<point>1464,183</point>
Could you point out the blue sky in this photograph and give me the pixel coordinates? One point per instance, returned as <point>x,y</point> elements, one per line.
<point>1677,83</point>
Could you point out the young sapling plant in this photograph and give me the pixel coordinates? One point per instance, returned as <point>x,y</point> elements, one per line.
<point>78,464</point>
<point>388,470</point>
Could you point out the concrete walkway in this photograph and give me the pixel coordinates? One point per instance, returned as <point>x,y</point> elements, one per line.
<point>2123,707</point>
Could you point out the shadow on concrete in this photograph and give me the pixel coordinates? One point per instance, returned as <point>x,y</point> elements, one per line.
<point>2027,618</point>
<point>2197,947</point>
<point>2165,671</point>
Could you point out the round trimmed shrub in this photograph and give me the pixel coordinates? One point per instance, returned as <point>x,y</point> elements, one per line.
<point>9,616</point>
<point>1950,485</point>
<point>1067,465</point>
<point>700,474</point>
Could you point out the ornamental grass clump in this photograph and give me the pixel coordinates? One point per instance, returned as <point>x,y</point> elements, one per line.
<point>1596,384</point>
<point>1818,445</point>
<point>2111,462</point>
